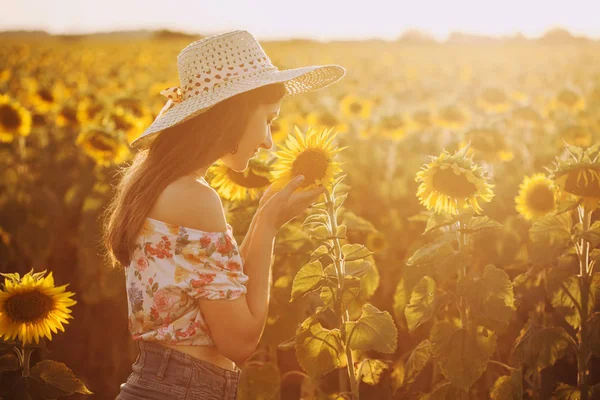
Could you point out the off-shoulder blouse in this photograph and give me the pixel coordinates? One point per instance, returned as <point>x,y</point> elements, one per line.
<point>171,268</point>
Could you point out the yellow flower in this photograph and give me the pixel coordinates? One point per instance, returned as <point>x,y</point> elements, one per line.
<point>14,119</point>
<point>452,117</point>
<point>324,119</point>
<point>422,119</point>
<point>238,186</point>
<point>575,134</point>
<point>395,126</point>
<point>31,307</point>
<point>494,100</point>
<point>580,174</point>
<point>450,182</point>
<point>488,142</point>
<point>312,155</point>
<point>537,197</point>
<point>102,146</point>
<point>566,100</point>
<point>356,107</point>
<point>526,114</point>
<point>376,242</point>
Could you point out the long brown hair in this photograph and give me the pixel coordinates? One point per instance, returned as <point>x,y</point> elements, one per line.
<point>175,152</point>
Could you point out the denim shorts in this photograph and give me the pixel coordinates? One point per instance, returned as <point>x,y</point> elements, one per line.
<point>161,372</point>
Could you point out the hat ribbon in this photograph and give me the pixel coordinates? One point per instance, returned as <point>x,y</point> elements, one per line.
<point>174,96</point>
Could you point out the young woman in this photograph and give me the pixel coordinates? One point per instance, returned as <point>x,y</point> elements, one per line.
<point>197,301</point>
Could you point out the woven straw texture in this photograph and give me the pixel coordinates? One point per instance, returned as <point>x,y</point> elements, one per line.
<point>218,67</point>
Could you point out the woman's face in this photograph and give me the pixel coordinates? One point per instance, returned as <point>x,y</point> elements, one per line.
<point>257,135</point>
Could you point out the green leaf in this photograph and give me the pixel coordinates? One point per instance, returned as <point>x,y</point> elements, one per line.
<point>567,392</point>
<point>508,387</point>
<point>477,224</point>
<point>356,223</point>
<point>355,252</point>
<point>445,391</point>
<point>357,268</point>
<point>401,299</point>
<point>437,221</point>
<point>417,360</point>
<point>308,279</point>
<point>319,252</point>
<point>9,362</point>
<point>427,253</point>
<point>316,219</point>
<point>318,350</point>
<point>320,232</point>
<point>339,200</point>
<point>350,293</point>
<point>421,306</point>
<point>449,261</point>
<point>592,235</point>
<point>564,292</point>
<point>461,354</point>
<point>260,381</point>
<point>555,229</point>
<point>540,347</point>
<point>374,330</point>
<point>341,231</point>
<point>594,333</point>
<point>59,376</point>
<point>370,371</point>
<point>497,282</point>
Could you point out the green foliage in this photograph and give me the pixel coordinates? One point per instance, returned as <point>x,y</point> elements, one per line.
<point>508,387</point>
<point>318,350</point>
<point>374,330</point>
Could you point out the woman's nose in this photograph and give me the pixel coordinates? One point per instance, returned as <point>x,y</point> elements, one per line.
<point>268,142</point>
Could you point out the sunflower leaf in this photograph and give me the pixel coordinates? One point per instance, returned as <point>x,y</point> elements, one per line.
<point>421,306</point>
<point>318,350</point>
<point>341,232</point>
<point>437,221</point>
<point>461,353</point>
<point>594,333</point>
<point>374,330</point>
<point>480,223</point>
<point>319,252</point>
<point>308,279</point>
<point>316,219</point>
<point>508,386</point>
<point>320,232</point>
<point>356,223</point>
<point>349,295</point>
<point>357,268</point>
<point>417,360</point>
<point>355,251</point>
<point>339,200</point>
<point>370,370</point>
<point>59,376</point>
<point>540,347</point>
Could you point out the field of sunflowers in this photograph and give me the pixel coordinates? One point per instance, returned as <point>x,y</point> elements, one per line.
<point>454,256</point>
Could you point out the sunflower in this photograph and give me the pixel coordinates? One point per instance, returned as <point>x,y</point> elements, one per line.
<point>46,98</point>
<point>312,155</point>
<point>575,134</point>
<point>102,146</point>
<point>14,119</point>
<point>452,117</point>
<point>422,119</point>
<point>356,107</point>
<point>325,119</point>
<point>376,242</point>
<point>537,197</point>
<point>238,186</point>
<point>488,142</point>
<point>526,114</point>
<point>67,116</point>
<point>494,100</point>
<point>31,307</point>
<point>579,175</point>
<point>566,100</point>
<point>450,182</point>
<point>395,126</point>
<point>125,121</point>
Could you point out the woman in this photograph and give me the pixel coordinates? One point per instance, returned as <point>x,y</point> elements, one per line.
<point>197,301</point>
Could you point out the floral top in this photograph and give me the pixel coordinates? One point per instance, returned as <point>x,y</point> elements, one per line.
<point>173,266</point>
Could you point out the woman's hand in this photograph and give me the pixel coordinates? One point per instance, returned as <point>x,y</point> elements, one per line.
<point>279,207</point>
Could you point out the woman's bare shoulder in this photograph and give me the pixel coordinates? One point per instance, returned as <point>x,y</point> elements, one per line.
<point>189,203</point>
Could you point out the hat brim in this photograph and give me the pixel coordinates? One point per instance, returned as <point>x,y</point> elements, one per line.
<point>296,81</point>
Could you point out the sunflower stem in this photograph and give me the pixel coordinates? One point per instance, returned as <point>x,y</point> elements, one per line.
<point>26,358</point>
<point>585,217</point>
<point>462,273</point>
<point>339,267</point>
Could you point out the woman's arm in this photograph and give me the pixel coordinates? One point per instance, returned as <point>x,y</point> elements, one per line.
<point>257,265</point>
<point>246,242</point>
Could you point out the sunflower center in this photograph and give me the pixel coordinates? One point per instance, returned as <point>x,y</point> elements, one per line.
<point>356,108</point>
<point>452,185</point>
<point>328,119</point>
<point>312,164</point>
<point>251,181</point>
<point>28,307</point>
<point>9,117</point>
<point>100,143</point>
<point>46,95</point>
<point>567,97</point>
<point>540,198</point>
<point>451,114</point>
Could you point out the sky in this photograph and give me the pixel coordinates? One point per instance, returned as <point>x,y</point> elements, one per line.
<point>316,19</point>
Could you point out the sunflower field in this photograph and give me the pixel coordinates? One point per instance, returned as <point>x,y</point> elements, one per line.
<point>454,254</point>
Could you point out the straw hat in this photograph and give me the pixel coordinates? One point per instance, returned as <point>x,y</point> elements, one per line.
<point>220,66</point>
